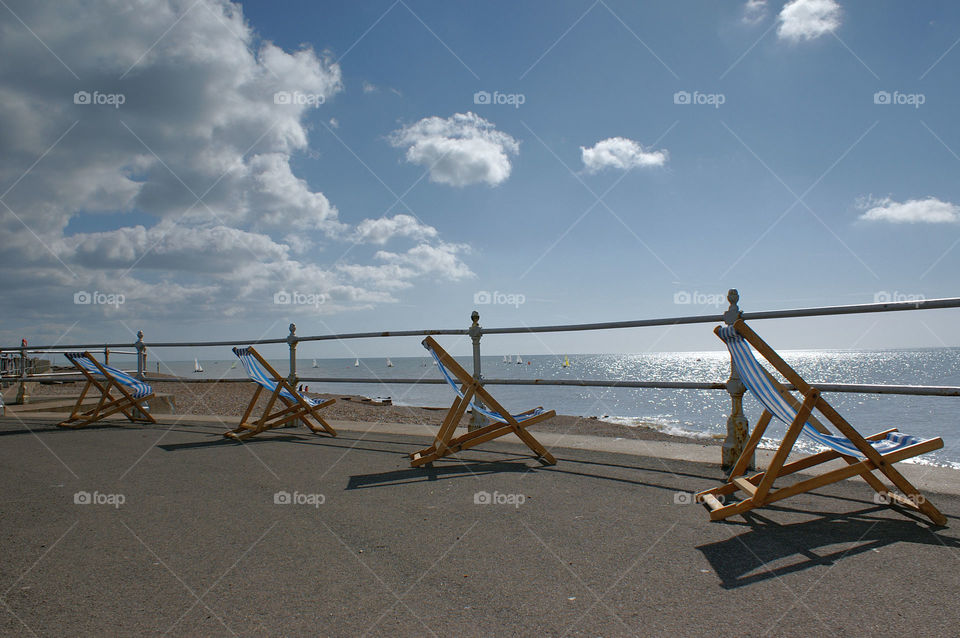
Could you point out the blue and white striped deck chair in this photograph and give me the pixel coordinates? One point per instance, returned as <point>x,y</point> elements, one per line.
<point>295,406</point>
<point>863,455</point>
<point>467,388</point>
<point>132,399</point>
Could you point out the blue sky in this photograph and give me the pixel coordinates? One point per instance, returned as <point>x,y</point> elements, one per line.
<point>805,153</point>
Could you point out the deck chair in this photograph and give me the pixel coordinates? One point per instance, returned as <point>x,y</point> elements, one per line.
<point>131,400</point>
<point>467,388</point>
<point>295,406</point>
<point>863,455</point>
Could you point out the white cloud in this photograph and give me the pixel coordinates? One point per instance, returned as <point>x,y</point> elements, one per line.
<point>112,203</point>
<point>437,260</point>
<point>369,88</point>
<point>929,211</point>
<point>754,11</point>
<point>460,150</point>
<point>380,231</point>
<point>808,19</point>
<point>620,153</point>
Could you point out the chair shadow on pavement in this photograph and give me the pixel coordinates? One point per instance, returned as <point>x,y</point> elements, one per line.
<point>770,550</point>
<point>460,468</point>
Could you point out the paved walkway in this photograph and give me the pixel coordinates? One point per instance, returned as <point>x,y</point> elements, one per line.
<point>604,543</point>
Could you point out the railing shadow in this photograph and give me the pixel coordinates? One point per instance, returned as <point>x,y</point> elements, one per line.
<point>769,550</point>
<point>463,469</point>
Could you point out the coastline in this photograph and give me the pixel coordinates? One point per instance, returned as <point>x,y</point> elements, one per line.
<point>231,399</point>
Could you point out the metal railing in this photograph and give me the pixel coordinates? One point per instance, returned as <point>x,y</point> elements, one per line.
<point>737,425</point>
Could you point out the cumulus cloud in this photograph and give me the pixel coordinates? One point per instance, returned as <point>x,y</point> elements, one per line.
<point>181,194</point>
<point>808,19</point>
<point>913,211</point>
<point>620,153</point>
<point>460,150</point>
<point>380,231</point>
<point>754,11</point>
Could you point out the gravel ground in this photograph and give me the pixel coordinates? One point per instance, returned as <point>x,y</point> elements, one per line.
<point>231,399</point>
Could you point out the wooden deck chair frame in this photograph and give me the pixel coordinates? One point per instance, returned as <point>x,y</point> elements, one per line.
<point>759,488</point>
<point>291,410</point>
<point>444,444</point>
<point>134,408</point>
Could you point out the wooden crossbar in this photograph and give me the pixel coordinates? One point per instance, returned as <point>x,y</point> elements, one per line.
<point>298,409</point>
<point>759,488</point>
<point>444,443</point>
<point>135,409</point>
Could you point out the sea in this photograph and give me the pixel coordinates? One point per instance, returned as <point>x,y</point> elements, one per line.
<point>693,413</point>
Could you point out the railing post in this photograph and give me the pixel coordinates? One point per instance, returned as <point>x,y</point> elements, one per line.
<point>738,428</point>
<point>292,342</point>
<point>22,396</point>
<point>477,420</point>
<point>141,355</point>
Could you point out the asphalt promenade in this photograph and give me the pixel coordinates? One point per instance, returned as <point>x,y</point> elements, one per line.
<point>126,530</point>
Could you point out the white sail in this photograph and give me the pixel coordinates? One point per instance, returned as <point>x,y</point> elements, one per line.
<point>315,364</point>
<point>389,363</point>
<point>519,360</point>
<point>196,365</point>
<point>356,364</point>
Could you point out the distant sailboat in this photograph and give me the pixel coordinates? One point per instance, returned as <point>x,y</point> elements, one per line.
<point>389,363</point>
<point>196,365</point>
<point>519,360</point>
<point>356,364</point>
<point>566,361</point>
<point>315,364</point>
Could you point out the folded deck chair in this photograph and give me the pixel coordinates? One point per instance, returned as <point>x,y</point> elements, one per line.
<point>131,401</point>
<point>296,406</point>
<point>863,455</point>
<point>467,388</point>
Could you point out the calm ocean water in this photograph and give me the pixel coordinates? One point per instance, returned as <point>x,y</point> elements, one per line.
<point>691,412</point>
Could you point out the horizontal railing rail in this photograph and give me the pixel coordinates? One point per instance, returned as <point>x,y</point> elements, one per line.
<point>736,422</point>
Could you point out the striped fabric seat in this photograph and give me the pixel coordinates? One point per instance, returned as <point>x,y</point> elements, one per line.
<point>495,416</point>
<point>754,377</point>
<point>262,378</point>
<point>138,388</point>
